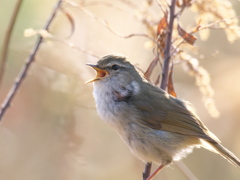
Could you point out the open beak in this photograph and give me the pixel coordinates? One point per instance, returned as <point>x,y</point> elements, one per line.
<point>101,73</point>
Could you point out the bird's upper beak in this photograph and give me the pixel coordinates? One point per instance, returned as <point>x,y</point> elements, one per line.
<point>101,73</point>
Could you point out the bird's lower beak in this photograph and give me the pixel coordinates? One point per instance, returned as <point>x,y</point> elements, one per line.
<point>101,73</point>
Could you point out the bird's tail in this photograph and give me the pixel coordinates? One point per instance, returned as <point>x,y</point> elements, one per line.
<point>225,153</point>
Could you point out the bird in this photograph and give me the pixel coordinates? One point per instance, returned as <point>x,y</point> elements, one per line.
<point>156,126</point>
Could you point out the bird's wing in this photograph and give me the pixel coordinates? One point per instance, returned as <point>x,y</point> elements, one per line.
<point>161,111</point>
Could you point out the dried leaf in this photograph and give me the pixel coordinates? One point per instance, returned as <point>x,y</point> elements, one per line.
<point>186,36</point>
<point>162,43</point>
<point>184,3</point>
<point>71,20</point>
<point>170,84</point>
<point>178,3</point>
<point>148,73</point>
<point>157,80</point>
<point>162,25</point>
<point>162,34</point>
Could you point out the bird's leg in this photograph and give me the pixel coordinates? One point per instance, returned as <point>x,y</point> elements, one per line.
<point>155,172</point>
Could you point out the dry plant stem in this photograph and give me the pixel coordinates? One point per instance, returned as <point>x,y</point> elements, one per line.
<point>211,25</point>
<point>71,45</point>
<point>7,39</point>
<point>167,51</point>
<point>105,23</point>
<point>160,5</point>
<point>147,171</point>
<point>7,102</point>
<point>186,171</point>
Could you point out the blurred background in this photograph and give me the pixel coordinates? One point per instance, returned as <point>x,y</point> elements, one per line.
<point>52,130</point>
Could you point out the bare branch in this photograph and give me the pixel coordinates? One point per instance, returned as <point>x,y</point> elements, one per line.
<point>7,38</point>
<point>167,51</point>
<point>147,171</point>
<point>151,66</point>
<point>214,24</point>
<point>161,7</point>
<point>19,80</point>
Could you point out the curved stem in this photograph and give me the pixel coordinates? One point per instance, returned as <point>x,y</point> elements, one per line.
<point>7,39</point>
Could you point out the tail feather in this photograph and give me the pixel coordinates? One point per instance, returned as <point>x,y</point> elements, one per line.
<point>225,153</point>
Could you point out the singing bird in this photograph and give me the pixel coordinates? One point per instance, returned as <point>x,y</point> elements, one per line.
<point>156,126</point>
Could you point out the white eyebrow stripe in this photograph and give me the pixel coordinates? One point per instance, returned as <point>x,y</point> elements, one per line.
<point>109,64</point>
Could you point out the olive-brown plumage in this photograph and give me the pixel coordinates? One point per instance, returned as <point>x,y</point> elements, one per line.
<point>156,126</point>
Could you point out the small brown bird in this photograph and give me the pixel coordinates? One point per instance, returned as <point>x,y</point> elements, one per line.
<point>156,126</point>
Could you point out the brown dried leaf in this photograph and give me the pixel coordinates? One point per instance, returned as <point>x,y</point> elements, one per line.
<point>186,36</point>
<point>162,25</point>
<point>157,80</point>
<point>183,3</point>
<point>148,72</point>
<point>162,34</point>
<point>170,84</point>
<point>178,3</point>
<point>162,43</point>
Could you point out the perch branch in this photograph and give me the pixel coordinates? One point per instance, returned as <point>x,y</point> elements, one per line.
<point>15,87</point>
<point>167,51</point>
<point>147,171</point>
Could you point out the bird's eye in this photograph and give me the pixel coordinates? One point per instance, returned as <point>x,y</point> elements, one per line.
<point>115,67</point>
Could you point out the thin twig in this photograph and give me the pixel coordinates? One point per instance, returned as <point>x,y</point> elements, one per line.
<point>105,23</point>
<point>167,51</point>
<point>200,28</point>
<point>211,25</point>
<point>71,45</point>
<point>7,102</point>
<point>7,39</point>
<point>161,7</point>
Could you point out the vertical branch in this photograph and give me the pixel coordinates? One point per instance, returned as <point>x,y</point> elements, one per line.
<point>147,170</point>
<point>167,71</point>
<point>7,39</point>
<point>167,51</point>
<point>166,66</point>
<point>7,102</point>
